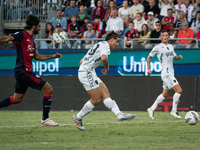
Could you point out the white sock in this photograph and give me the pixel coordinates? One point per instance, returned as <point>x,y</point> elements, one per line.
<point>87,108</point>
<point>112,105</point>
<point>159,99</point>
<point>175,101</point>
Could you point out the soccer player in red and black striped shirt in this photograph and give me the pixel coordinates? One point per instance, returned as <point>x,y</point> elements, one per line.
<point>25,78</point>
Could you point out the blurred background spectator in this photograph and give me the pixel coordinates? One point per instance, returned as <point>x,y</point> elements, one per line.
<point>168,19</point>
<point>152,7</point>
<point>59,19</point>
<point>196,23</point>
<point>139,21</point>
<point>164,6</point>
<point>99,26</point>
<point>151,21</point>
<point>49,30</point>
<point>124,12</point>
<point>145,33</point>
<point>156,33</point>
<point>136,8</point>
<point>70,10</point>
<point>180,20</point>
<point>81,14</point>
<point>172,33</point>
<point>99,10</point>
<point>109,11</point>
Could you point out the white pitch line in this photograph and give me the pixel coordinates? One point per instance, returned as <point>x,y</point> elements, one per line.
<point>23,126</point>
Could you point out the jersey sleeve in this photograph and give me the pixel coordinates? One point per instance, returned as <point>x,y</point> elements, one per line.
<point>18,37</point>
<point>154,51</point>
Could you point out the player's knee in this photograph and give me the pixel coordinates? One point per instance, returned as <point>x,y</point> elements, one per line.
<point>179,91</point>
<point>50,89</point>
<point>165,95</point>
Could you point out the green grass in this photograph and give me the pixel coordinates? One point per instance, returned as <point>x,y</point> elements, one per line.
<point>21,130</point>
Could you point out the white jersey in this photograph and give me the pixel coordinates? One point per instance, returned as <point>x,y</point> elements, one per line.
<point>165,54</point>
<point>92,59</point>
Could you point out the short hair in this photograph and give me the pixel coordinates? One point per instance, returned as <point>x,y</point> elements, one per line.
<point>111,35</point>
<point>182,12</point>
<point>97,17</point>
<point>31,21</point>
<point>185,22</point>
<point>163,31</point>
<point>59,10</point>
<point>87,18</point>
<point>90,23</point>
<point>139,13</point>
<point>158,21</point>
<point>169,9</point>
<point>132,22</point>
<point>73,16</point>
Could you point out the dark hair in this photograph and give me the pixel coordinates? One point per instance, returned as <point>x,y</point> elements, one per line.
<point>196,14</point>
<point>87,18</point>
<point>111,35</point>
<point>59,10</point>
<point>80,5</point>
<point>132,22</point>
<point>163,31</point>
<point>143,33</point>
<point>169,9</point>
<point>97,17</point>
<point>47,31</point>
<point>31,21</point>
<point>158,21</point>
<point>112,1</point>
<point>90,23</point>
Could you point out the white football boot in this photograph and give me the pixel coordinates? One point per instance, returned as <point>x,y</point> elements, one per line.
<point>151,113</point>
<point>49,122</point>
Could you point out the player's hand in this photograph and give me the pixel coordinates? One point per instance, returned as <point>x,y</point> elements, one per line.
<point>57,55</point>
<point>148,71</point>
<point>180,57</point>
<point>105,71</point>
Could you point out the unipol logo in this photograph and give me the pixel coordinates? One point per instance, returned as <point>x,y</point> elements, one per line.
<point>132,66</point>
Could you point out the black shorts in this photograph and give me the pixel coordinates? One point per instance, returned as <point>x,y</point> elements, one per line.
<point>27,79</point>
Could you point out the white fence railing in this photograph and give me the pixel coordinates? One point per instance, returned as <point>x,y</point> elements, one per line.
<point>122,41</point>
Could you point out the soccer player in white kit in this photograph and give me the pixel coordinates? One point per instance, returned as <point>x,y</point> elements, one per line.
<point>166,55</point>
<point>95,88</point>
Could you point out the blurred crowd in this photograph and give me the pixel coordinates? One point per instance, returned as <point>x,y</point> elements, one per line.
<point>130,19</point>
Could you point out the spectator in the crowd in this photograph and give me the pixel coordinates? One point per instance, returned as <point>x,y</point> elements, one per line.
<point>164,6</point>
<point>123,13</point>
<point>196,23</point>
<point>145,33</point>
<point>178,7</point>
<point>90,6</point>
<point>70,10</point>
<point>196,8</point>
<point>109,11</point>
<point>152,7</point>
<point>198,38</point>
<point>84,27</point>
<point>99,26</point>
<point>59,37</point>
<point>172,33</point>
<point>73,29</point>
<point>180,20</point>
<point>136,8</point>
<point>99,10</point>
<point>185,33</point>
<point>49,30</point>
<point>81,15</point>
<point>115,24</point>
<point>89,34</point>
<point>106,4</point>
<point>168,19</point>
<point>145,3</point>
<point>131,34</point>
<point>59,19</point>
<point>151,21</point>
<point>189,10</point>
<point>13,9</point>
<point>139,21</point>
<point>156,33</point>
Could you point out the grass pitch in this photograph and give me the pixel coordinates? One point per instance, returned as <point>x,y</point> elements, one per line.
<point>21,130</point>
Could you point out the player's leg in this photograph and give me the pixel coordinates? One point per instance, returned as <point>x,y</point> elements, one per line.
<point>159,99</point>
<point>177,94</point>
<point>90,83</point>
<point>112,105</point>
<point>48,91</point>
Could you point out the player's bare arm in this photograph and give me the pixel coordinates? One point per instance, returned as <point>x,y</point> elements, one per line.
<point>81,61</point>
<point>148,64</point>
<point>6,38</point>
<point>104,60</point>
<point>178,57</point>
<point>38,56</point>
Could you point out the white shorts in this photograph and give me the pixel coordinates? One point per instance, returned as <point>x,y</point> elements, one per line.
<point>169,81</point>
<point>89,79</point>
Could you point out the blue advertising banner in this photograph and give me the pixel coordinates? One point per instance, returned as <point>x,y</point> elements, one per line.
<point>121,62</point>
